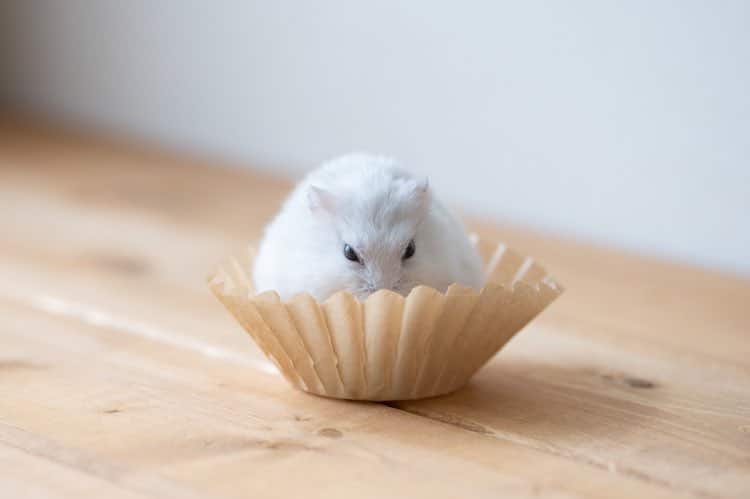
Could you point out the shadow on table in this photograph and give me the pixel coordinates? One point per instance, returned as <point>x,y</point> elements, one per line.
<point>549,407</point>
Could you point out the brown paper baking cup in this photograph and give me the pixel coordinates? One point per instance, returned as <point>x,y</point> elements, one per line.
<point>388,347</point>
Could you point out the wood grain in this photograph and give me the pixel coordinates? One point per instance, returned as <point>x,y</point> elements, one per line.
<point>121,374</point>
<point>158,420</point>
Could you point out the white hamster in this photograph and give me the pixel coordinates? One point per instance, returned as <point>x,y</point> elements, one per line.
<point>362,223</point>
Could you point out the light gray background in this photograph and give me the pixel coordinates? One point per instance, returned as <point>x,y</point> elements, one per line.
<point>625,123</point>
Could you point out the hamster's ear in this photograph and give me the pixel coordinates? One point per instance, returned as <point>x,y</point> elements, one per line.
<point>320,200</point>
<point>422,194</point>
<point>423,187</point>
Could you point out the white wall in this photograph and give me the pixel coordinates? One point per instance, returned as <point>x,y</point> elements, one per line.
<point>623,122</point>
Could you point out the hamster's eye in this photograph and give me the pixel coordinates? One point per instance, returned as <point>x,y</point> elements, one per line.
<point>350,254</point>
<point>409,251</point>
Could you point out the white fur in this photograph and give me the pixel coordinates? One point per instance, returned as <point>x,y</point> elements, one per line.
<point>372,204</point>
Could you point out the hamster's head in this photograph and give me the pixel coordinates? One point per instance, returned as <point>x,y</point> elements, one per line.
<point>375,242</point>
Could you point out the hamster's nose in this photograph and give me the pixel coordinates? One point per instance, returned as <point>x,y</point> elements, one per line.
<point>379,279</point>
<point>375,286</point>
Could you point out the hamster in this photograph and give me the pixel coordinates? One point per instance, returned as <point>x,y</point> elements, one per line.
<point>362,223</point>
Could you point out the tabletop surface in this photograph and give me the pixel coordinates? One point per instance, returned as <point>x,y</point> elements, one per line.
<point>122,376</point>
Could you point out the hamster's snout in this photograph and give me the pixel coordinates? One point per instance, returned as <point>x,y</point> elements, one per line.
<point>371,287</point>
<point>381,282</point>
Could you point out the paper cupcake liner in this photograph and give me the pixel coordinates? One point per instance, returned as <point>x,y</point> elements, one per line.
<point>388,347</point>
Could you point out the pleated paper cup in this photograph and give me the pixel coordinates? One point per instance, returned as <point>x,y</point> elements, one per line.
<point>388,347</point>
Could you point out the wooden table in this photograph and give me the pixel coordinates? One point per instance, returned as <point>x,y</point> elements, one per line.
<point>122,376</point>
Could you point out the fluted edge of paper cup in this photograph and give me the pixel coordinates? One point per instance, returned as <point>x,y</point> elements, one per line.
<point>388,347</point>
